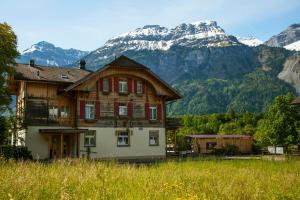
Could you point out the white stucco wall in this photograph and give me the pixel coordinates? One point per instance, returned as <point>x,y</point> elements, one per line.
<point>37,143</point>
<point>106,144</point>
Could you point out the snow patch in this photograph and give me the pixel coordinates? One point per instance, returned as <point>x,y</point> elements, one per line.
<point>250,41</point>
<point>295,46</point>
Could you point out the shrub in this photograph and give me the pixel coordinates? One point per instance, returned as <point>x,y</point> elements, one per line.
<point>17,152</point>
<point>229,149</point>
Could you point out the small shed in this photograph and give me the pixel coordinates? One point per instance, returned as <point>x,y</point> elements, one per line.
<point>205,144</point>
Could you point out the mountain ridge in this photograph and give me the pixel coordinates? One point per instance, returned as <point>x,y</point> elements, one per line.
<point>45,53</point>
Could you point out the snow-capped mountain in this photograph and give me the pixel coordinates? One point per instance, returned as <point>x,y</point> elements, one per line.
<point>295,46</point>
<point>45,53</point>
<point>250,41</point>
<point>286,37</point>
<point>155,37</point>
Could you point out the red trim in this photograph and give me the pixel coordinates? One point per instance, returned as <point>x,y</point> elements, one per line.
<point>130,109</point>
<point>147,111</point>
<point>101,84</point>
<point>116,84</point>
<point>144,87</point>
<point>97,110</point>
<point>116,108</point>
<point>159,112</point>
<point>129,85</point>
<point>82,109</point>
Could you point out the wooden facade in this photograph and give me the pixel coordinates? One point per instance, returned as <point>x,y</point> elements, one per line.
<point>205,144</point>
<point>49,98</point>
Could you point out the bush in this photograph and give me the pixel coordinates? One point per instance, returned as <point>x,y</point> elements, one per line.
<point>17,152</point>
<point>229,149</point>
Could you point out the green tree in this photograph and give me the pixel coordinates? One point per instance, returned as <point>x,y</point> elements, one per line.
<point>3,129</point>
<point>279,127</point>
<point>8,53</point>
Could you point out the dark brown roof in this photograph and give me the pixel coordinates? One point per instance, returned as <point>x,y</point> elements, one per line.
<point>48,74</point>
<point>219,136</point>
<point>296,100</point>
<point>124,61</point>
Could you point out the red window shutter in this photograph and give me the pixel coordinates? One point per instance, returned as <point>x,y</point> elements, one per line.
<point>130,109</point>
<point>110,84</point>
<point>159,112</point>
<point>129,85</point>
<point>82,110</point>
<point>147,111</point>
<point>116,84</point>
<point>101,84</point>
<point>144,87</point>
<point>116,108</point>
<point>97,110</point>
<point>135,86</point>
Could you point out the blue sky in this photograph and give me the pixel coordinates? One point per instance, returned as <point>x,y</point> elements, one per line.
<point>86,25</point>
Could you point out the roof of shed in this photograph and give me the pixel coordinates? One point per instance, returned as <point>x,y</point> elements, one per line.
<point>219,136</point>
<point>296,100</point>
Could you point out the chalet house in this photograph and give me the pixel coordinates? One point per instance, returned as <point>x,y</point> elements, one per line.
<point>118,111</point>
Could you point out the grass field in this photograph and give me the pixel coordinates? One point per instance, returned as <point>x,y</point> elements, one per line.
<point>210,179</point>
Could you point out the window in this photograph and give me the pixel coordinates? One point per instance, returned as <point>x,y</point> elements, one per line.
<point>123,87</point>
<point>154,138</point>
<point>139,87</point>
<point>122,110</point>
<point>89,110</point>
<point>64,111</point>
<point>138,111</point>
<point>153,113</point>
<point>105,85</point>
<point>210,145</point>
<point>64,76</point>
<point>107,109</point>
<point>123,138</point>
<point>90,138</point>
<point>53,112</point>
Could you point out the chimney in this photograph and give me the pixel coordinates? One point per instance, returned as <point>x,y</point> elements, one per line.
<point>31,63</point>
<point>82,64</point>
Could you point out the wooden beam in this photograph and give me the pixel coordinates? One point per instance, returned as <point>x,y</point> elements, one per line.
<point>50,145</point>
<point>61,145</point>
<point>78,143</point>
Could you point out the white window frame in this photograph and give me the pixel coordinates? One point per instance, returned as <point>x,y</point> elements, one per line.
<point>121,135</point>
<point>123,87</point>
<point>89,110</point>
<point>53,112</point>
<point>139,87</point>
<point>64,111</point>
<point>123,110</point>
<point>89,137</point>
<point>153,112</point>
<point>152,136</point>
<point>105,85</point>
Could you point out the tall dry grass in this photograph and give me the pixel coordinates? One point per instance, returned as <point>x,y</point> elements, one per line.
<point>213,179</point>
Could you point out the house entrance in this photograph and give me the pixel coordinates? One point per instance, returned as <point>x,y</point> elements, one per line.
<point>63,146</point>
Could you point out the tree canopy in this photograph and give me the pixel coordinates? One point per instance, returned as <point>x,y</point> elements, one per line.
<point>280,124</point>
<point>8,53</point>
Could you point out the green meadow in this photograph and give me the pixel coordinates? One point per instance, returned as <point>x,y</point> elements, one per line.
<point>203,179</point>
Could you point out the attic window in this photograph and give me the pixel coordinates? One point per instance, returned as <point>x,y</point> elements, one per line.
<point>64,76</point>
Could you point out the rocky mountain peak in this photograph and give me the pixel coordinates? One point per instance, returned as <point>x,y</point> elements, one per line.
<point>286,37</point>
